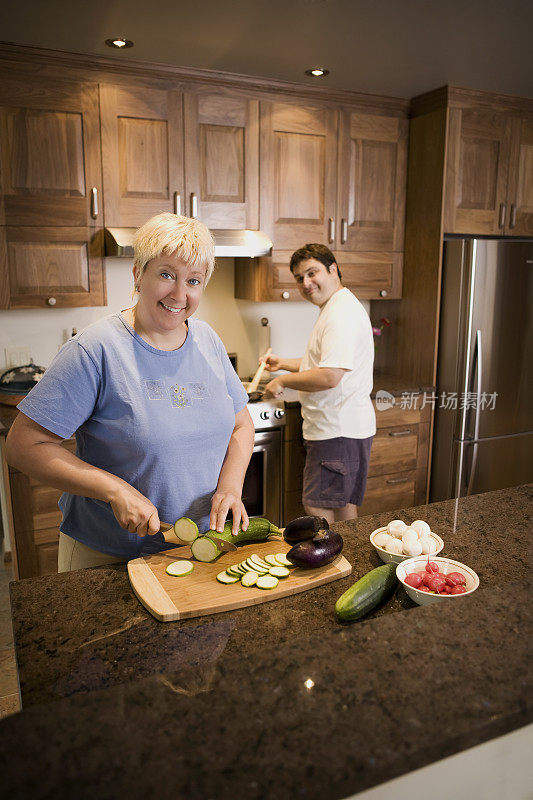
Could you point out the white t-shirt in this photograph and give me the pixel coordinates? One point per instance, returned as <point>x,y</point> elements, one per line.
<point>341,338</point>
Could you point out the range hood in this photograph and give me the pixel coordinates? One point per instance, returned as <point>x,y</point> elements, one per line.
<point>118,243</point>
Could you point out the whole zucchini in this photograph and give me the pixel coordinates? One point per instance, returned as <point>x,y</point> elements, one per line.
<point>366,593</point>
<point>259,529</point>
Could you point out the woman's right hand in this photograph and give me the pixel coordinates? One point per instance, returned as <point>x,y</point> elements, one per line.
<point>272,362</point>
<point>134,511</point>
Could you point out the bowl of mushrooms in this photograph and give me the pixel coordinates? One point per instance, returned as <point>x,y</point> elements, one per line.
<point>397,541</point>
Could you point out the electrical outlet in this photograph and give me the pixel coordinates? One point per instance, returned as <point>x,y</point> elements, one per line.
<point>17,356</point>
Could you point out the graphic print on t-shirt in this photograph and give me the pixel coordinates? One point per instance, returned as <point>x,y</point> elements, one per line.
<point>179,396</point>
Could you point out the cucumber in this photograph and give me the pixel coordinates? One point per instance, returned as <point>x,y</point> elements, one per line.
<point>259,529</point>
<point>366,593</point>
<point>180,568</point>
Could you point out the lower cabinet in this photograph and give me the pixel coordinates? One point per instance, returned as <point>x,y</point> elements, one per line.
<point>398,461</point>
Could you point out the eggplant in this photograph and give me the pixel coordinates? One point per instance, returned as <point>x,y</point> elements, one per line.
<point>302,528</point>
<point>323,548</point>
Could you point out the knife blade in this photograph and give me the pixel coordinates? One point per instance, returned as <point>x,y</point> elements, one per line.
<point>222,544</point>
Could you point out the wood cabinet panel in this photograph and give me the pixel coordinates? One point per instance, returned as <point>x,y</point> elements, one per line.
<point>56,267</point>
<point>394,450</point>
<point>479,145</point>
<point>50,152</point>
<point>520,191</point>
<point>372,170</point>
<point>142,153</point>
<point>298,173</point>
<point>222,159</point>
<point>385,492</point>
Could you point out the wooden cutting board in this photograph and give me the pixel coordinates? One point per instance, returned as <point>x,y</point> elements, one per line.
<point>169,598</point>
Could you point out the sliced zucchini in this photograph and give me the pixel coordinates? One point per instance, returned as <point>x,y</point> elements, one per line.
<point>251,565</point>
<point>224,577</point>
<point>180,568</point>
<point>186,530</point>
<point>260,561</point>
<point>279,572</point>
<point>266,582</point>
<point>272,560</point>
<point>250,579</point>
<point>282,560</point>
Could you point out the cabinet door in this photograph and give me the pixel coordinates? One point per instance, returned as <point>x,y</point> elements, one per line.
<point>479,144</point>
<point>222,159</point>
<point>520,192</point>
<point>371,182</point>
<point>55,267</point>
<point>50,152</point>
<point>298,165</point>
<point>142,152</point>
<point>372,276</point>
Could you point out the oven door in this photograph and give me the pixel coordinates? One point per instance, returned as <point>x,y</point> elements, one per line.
<point>262,490</point>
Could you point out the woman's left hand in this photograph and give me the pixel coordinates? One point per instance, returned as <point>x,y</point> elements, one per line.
<point>221,503</point>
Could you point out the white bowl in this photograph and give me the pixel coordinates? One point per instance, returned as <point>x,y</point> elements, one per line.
<point>386,557</point>
<point>446,565</point>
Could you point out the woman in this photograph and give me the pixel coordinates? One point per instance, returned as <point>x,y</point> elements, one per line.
<point>162,428</point>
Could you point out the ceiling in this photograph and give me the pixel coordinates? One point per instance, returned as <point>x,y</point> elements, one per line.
<point>399,48</point>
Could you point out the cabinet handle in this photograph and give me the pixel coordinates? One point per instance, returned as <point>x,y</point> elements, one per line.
<point>51,301</point>
<point>177,203</point>
<point>398,480</point>
<point>331,229</point>
<point>194,205</point>
<point>383,293</point>
<point>285,295</point>
<point>94,202</point>
<point>501,221</point>
<point>344,230</point>
<point>512,218</point>
<point>400,433</point>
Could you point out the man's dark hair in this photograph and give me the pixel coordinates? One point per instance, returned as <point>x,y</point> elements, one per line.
<point>317,251</point>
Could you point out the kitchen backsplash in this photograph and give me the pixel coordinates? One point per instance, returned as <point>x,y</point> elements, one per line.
<point>238,322</point>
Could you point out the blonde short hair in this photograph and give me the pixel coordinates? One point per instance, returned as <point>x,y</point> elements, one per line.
<point>169,234</point>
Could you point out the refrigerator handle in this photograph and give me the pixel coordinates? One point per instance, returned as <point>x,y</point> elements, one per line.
<point>477,368</point>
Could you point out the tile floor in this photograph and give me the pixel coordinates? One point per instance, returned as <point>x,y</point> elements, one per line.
<point>9,690</point>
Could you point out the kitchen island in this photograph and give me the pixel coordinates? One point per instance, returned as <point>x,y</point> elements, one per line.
<point>279,699</point>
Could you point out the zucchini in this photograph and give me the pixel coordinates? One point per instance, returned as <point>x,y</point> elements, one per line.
<point>266,582</point>
<point>259,529</point>
<point>279,572</point>
<point>224,577</point>
<point>250,579</point>
<point>186,530</point>
<point>366,593</point>
<point>180,568</point>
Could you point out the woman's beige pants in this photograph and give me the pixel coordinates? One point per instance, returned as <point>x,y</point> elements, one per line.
<point>75,555</point>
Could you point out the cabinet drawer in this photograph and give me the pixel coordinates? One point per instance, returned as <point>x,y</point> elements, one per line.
<point>389,491</point>
<point>394,450</point>
<point>399,416</point>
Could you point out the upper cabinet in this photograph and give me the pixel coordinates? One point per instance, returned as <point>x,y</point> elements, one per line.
<point>142,153</point>
<point>194,153</point>
<point>222,159</point>
<point>489,175</point>
<point>372,170</point>
<point>298,174</point>
<point>51,187</point>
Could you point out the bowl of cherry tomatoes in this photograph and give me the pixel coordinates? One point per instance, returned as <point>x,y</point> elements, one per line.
<point>431,579</point>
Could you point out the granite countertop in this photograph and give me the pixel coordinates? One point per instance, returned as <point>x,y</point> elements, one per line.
<point>117,704</point>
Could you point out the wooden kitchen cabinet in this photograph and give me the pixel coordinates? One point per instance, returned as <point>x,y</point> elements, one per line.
<point>51,241</point>
<point>397,474</point>
<point>35,522</point>
<point>371,182</point>
<point>222,159</point>
<point>142,153</point>
<point>489,176</point>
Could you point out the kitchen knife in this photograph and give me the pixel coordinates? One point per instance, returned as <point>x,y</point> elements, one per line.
<point>169,536</point>
<point>222,544</point>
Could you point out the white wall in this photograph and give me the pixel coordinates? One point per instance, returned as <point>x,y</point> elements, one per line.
<point>237,322</point>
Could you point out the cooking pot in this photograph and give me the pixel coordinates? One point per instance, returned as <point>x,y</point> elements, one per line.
<point>16,382</point>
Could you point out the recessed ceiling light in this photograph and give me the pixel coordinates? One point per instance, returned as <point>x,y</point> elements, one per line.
<point>119,42</point>
<point>317,72</point>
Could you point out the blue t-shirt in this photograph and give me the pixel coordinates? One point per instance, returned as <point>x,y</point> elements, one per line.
<point>160,420</point>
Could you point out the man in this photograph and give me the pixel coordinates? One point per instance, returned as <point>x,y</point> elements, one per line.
<point>334,380</point>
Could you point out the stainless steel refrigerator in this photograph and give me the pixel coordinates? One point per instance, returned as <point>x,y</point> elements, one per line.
<point>483,436</point>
